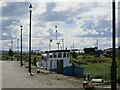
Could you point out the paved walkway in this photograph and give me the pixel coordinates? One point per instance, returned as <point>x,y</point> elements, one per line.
<point>15,76</point>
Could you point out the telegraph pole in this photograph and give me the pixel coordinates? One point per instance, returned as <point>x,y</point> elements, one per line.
<point>11,44</point>
<point>21,45</point>
<point>18,46</point>
<point>97,44</point>
<point>18,49</point>
<point>73,46</point>
<point>113,64</point>
<point>12,48</point>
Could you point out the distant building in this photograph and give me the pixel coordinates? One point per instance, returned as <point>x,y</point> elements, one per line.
<point>99,52</point>
<point>90,50</point>
<point>109,50</point>
<point>77,51</point>
<point>36,51</point>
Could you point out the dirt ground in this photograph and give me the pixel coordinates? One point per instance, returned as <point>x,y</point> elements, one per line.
<point>15,76</point>
<point>0,75</point>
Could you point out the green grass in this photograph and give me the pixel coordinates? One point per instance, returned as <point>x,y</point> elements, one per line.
<point>98,69</point>
<point>86,59</point>
<point>97,66</point>
<point>118,72</point>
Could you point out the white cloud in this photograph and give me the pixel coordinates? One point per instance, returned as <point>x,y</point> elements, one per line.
<point>76,16</point>
<point>78,32</point>
<point>39,8</point>
<point>102,33</point>
<point>93,32</point>
<point>4,34</point>
<point>69,0</point>
<point>60,7</point>
<point>3,4</point>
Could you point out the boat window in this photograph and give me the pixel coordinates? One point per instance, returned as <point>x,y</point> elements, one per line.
<point>68,54</point>
<point>64,54</point>
<point>59,54</point>
<point>50,55</point>
<point>54,55</point>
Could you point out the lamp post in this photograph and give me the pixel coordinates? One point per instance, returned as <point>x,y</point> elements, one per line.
<point>113,64</point>
<point>30,7</point>
<point>21,45</point>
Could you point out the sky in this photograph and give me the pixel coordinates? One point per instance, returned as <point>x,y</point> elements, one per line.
<point>81,23</point>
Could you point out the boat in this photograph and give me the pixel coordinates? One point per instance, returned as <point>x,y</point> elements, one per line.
<point>59,61</point>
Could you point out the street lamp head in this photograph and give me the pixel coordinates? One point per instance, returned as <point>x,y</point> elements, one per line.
<point>21,26</point>
<point>55,26</point>
<point>30,7</point>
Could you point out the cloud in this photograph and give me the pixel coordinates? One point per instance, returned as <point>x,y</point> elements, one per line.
<point>8,27</point>
<point>62,7</point>
<point>15,9</point>
<point>51,15</point>
<point>11,15</point>
<point>52,33</point>
<point>77,22</point>
<point>94,27</point>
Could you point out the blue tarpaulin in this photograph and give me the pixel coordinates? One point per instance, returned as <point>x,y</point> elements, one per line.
<point>72,70</point>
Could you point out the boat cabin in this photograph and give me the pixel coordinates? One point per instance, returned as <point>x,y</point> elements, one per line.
<point>55,59</point>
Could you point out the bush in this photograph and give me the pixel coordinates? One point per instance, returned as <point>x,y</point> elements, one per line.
<point>92,59</point>
<point>118,73</point>
<point>25,57</point>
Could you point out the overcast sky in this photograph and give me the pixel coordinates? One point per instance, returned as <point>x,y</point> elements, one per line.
<point>81,23</point>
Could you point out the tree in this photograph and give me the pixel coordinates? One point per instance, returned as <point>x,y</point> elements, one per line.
<point>10,52</point>
<point>74,54</point>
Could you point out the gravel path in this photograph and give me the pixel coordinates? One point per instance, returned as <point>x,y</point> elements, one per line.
<point>15,76</point>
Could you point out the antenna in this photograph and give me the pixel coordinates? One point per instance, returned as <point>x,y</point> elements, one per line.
<point>97,44</point>
<point>56,32</point>
<point>63,44</point>
<point>50,41</point>
<point>73,46</point>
